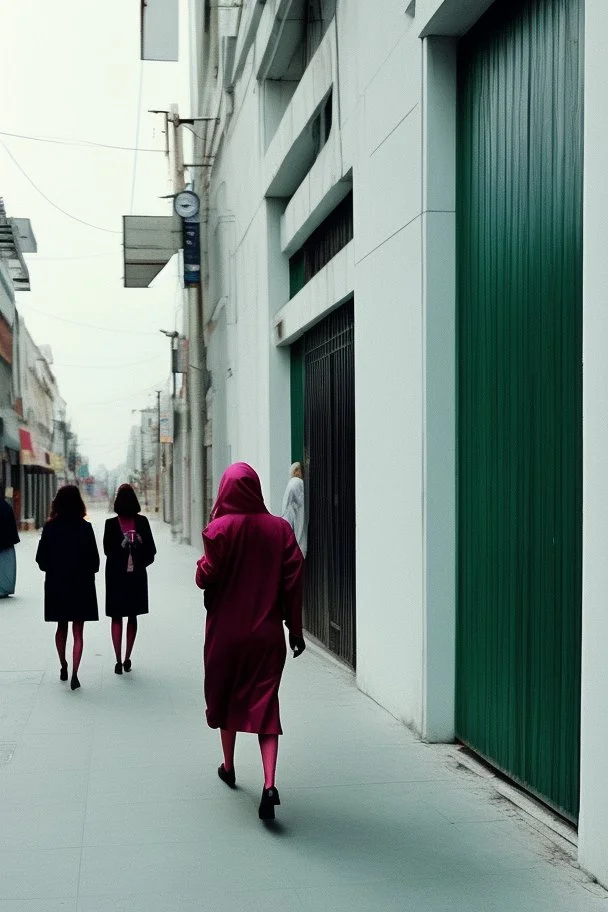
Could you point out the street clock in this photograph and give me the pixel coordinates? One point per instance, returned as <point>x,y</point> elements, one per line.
<point>186,204</point>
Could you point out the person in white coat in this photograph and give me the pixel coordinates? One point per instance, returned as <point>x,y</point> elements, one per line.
<point>293,505</point>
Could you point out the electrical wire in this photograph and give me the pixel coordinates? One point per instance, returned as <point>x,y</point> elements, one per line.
<point>111,329</point>
<point>79,142</point>
<point>147,389</point>
<point>137,125</point>
<point>106,366</point>
<point>50,201</point>
<point>84,256</point>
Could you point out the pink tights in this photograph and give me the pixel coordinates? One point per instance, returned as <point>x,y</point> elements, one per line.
<point>117,636</point>
<point>269,749</point>
<point>61,641</point>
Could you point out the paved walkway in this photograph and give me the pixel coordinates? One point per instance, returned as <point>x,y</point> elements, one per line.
<point>109,799</point>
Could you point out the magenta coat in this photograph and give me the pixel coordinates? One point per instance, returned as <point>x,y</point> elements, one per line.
<point>251,572</point>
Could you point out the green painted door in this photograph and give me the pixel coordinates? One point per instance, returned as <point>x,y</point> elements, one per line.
<point>519,235</point>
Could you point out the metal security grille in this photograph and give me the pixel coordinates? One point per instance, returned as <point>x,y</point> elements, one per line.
<point>329,446</point>
<point>519,230</point>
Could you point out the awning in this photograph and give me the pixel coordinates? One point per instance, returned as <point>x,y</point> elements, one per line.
<point>9,423</point>
<point>149,242</point>
<point>16,237</point>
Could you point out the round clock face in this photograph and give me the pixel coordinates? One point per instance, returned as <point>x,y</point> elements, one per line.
<point>186,204</point>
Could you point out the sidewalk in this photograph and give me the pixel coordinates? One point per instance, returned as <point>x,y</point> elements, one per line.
<point>110,801</point>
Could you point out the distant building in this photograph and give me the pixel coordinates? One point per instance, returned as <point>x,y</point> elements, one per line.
<point>34,435</point>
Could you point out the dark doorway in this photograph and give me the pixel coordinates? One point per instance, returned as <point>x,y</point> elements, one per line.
<point>329,448</point>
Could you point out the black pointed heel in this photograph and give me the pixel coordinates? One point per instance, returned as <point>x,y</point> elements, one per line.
<point>63,674</point>
<point>270,799</point>
<point>118,668</point>
<point>227,776</point>
<point>127,665</point>
<point>75,683</point>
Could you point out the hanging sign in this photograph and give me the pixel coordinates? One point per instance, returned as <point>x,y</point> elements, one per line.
<point>187,205</point>
<point>192,253</point>
<point>166,419</point>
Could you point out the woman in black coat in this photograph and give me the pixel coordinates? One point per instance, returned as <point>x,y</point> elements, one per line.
<point>9,537</point>
<point>67,554</point>
<point>129,548</point>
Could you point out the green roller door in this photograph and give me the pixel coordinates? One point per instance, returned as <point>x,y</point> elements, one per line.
<point>519,235</point>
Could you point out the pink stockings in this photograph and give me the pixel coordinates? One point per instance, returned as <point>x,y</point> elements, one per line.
<point>269,749</point>
<point>117,636</point>
<point>61,640</point>
<point>228,742</point>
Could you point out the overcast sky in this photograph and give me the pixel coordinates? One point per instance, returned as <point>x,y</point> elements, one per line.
<point>71,70</point>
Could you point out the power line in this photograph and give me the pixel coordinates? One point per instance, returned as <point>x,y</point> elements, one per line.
<point>137,123</point>
<point>148,389</point>
<point>78,142</point>
<point>106,366</point>
<point>50,201</point>
<point>132,332</point>
<point>84,256</point>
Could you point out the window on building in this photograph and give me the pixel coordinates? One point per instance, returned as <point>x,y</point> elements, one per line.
<point>318,15</point>
<point>321,125</point>
<point>289,57</point>
<point>323,244</point>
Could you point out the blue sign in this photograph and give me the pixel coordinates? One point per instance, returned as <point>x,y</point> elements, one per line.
<point>192,252</point>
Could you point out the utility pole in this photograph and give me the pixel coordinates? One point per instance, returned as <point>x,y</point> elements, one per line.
<point>195,372</point>
<point>173,337</point>
<point>143,473</point>
<point>158,451</point>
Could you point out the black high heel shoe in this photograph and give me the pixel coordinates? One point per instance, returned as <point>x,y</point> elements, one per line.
<point>118,668</point>
<point>270,799</point>
<point>227,776</point>
<point>63,674</point>
<point>75,683</point>
<point>127,664</point>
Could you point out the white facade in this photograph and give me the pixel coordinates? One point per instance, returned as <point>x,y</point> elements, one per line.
<point>377,132</point>
<point>38,387</point>
<point>593,829</point>
<point>391,67</point>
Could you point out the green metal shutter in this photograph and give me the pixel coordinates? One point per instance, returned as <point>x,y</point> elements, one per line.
<point>519,235</point>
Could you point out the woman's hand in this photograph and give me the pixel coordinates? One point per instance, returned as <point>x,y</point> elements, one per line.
<point>296,644</point>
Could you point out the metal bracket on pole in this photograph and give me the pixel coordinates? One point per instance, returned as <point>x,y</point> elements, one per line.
<point>166,130</point>
<point>189,123</point>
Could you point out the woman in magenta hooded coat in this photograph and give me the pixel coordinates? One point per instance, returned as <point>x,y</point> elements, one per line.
<point>251,572</point>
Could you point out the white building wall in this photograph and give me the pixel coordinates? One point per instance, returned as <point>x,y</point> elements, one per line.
<point>376,135</point>
<point>393,136</point>
<point>37,383</point>
<point>7,312</point>
<point>381,106</point>
<point>593,826</point>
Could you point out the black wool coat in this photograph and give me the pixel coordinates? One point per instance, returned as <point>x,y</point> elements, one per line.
<point>127,592</point>
<point>8,526</point>
<point>67,553</point>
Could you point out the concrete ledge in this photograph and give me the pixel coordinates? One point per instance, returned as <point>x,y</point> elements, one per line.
<point>278,35</point>
<point>448,17</point>
<point>246,37</point>
<point>318,195</point>
<point>313,88</point>
<point>326,291</point>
